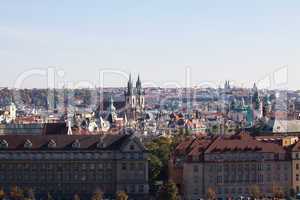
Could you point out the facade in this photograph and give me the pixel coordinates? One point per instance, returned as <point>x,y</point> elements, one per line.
<point>296,167</point>
<point>68,164</point>
<point>134,100</point>
<point>233,165</point>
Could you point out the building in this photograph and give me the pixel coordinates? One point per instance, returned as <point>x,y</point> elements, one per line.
<point>232,166</point>
<point>68,164</point>
<point>296,167</point>
<point>9,114</point>
<point>134,100</point>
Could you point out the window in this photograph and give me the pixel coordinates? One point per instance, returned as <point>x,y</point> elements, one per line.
<point>195,168</point>
<point>132,147</point>
<point>297,166</point>
<point>219,179</point>
<point>100,166</point>
<point>131,189</point>
<point>132,166</point>
<point>141,188</point>
<point>297,177</point>
<point>124,166</point>
<point>141,166</point>
<point>196,191</point>
<point>140,156</point>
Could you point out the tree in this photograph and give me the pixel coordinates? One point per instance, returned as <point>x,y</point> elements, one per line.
<point>160,150</point>
<point>168,191</point>
<point>16,193</point>
<point>2,193</point>
<point>49,196</point>
<point>29,194</point>
<point>211,194</point>
<point>121,195</point>
<point>277,191</point>
<point>97,195</point>
<point>255,192</point>
<point>155,167</point>
<point>76,197</point>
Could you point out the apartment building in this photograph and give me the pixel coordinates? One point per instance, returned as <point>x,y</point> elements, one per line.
<point>71,164</point>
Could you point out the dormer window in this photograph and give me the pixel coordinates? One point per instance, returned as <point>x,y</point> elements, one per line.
<point>131,147</point>
<point>76,144</point>
<point>28,144</point>
<point>3,144</point>
<point>51,144</point>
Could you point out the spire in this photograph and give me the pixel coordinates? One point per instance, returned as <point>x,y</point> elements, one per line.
<point>254,87</point>
<point>139,86</point>
<point>255,97</point>
<point>111,105</point>
<point>129,86</point>
<point>138,82</point>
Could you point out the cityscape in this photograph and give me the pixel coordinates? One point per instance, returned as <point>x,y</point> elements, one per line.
<point>141,100</point>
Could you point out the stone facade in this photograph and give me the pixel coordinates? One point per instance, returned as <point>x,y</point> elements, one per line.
<point>232,165</point>
<point>74,164</point>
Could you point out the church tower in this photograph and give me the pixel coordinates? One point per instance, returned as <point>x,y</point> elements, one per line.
<point>112,114</point>
<point>139,96</point>
<point>257,104</point>
<point>134,99</point>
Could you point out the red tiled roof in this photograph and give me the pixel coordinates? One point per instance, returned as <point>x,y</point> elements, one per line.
<point>242,142</point>
<point>199,147</point>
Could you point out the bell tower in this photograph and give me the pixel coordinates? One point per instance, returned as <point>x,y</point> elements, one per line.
<point>134,99</point>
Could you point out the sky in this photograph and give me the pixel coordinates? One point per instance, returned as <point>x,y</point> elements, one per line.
<point>169,43</point>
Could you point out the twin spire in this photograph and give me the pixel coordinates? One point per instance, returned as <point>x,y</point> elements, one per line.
<point>138,86</point>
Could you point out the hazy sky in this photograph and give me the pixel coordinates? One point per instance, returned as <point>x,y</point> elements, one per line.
<point>243,41</point>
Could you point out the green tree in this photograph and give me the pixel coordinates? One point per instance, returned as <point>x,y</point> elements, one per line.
<point>121,195</point>
<point>168,191</point>
<point>160,150</point>
<point>255,192</point>
<point>155,167</point>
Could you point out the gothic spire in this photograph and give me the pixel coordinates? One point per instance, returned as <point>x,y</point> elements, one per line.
<point>139,86</point>
<point>129,86</point>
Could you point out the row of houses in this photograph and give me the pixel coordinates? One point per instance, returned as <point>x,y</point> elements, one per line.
<point>231,166</point>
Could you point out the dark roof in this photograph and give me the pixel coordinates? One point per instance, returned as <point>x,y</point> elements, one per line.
<point>87,142</point>
<point>242,142</point>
